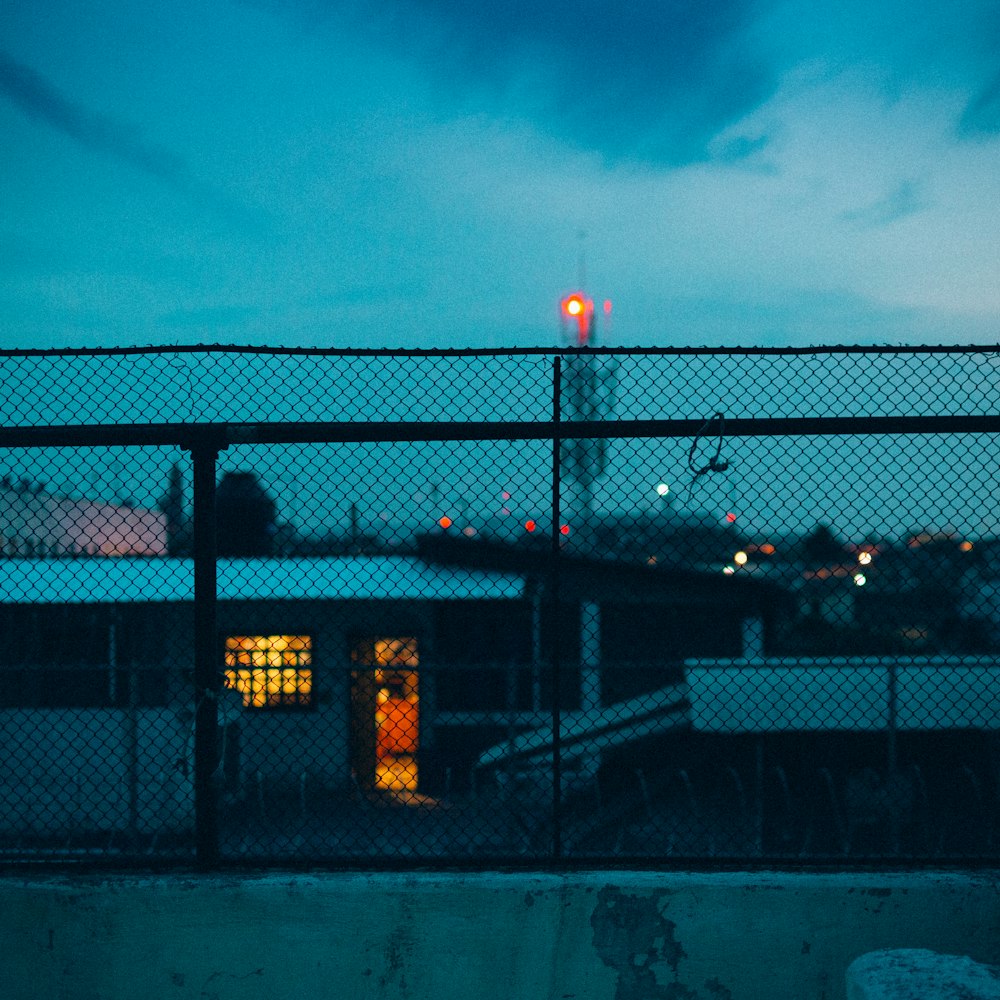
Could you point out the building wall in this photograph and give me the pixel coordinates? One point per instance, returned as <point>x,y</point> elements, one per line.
<point>66,772</point>
<point>36,523</point>
<point>425,936</point>
<point>79,765</point>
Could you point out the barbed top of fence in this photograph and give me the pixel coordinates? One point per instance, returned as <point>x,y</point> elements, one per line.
<point>239,384</point>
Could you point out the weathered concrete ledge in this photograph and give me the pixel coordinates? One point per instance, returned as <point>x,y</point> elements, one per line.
<point>916,974</point>
<point>581,936</point>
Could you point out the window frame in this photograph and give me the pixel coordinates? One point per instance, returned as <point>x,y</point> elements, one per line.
<point>296,700</point>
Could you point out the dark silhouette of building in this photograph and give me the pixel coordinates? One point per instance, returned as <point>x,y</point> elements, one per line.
<point>246,516</point>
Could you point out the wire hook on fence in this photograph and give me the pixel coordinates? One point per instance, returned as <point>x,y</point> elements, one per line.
<point>716,463</point>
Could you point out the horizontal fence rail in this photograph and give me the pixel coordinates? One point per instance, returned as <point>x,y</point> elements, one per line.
<point>518,607</point>
<point>224,435</point>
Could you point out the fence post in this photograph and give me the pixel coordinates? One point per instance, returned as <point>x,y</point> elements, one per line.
<point>207,678</point>
<point>556,654</point>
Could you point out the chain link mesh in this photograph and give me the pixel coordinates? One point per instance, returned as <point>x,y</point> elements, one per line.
<point>779,644</point>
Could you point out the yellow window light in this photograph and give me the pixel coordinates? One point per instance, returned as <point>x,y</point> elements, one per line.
<point>270,671</point>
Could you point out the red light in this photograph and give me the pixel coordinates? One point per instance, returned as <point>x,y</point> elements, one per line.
<point>564,529</point>
<point>607,307</point>
<point>731,518</point>
<point>445,522</point>
<point>529,525</point>
<point>505,495</point>
<point>581,309</point>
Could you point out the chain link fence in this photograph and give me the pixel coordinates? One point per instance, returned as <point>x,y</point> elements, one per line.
<point>480,608</point>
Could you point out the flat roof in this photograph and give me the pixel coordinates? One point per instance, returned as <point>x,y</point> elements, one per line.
<point>107,580</point>
<point>844,695</point>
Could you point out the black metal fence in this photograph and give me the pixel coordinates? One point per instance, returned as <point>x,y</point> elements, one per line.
<point>524,607</point>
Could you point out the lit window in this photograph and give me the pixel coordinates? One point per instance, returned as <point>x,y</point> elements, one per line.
<point>270,671</point>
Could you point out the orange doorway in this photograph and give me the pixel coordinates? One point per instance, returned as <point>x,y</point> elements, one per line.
<point>385,713</point>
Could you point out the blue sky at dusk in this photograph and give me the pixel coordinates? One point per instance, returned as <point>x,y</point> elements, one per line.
<point>419,173</point>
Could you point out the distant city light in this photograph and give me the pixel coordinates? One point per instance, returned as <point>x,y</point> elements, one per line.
<point>529,525</point>
<point>965,546</point>
<point>731,518</point>
<point>469,532</point>
<point>729,570</point>
<point>505,495</point>
<point>564,529</point>
<point>662,489</point>
<point>864,558</point>
<point>767,548</point>
<point>860,579</point>
<point>740,558</point>
<point>607,307</point>
<point>444,522</point>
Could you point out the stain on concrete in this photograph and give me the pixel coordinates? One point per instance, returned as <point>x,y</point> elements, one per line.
<point>717,991</point>
<point>177,978</point>
<point>880,892</point>
<point>399,947</point>
<point>806,948</point>
<point>633,937</point>
<point>529,900</point>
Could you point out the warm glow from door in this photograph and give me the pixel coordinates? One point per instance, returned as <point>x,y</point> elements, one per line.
<point>397,714</point>
<point>393,714</point>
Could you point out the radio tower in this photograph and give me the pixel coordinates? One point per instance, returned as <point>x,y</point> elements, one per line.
<point>588,385</point>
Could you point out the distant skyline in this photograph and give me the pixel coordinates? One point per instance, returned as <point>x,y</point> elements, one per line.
<point>309,173</point>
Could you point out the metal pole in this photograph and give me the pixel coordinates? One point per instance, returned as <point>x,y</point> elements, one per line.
<point>554,639</point>
<point>207,678</point>
<point>891,762</point>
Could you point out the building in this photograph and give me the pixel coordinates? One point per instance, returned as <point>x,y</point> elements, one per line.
<point>34,522</point>
<point>381,674</point>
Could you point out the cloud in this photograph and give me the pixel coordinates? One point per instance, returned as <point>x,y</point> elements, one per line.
<point>657,81</point>
<point>38,99</point>
<point>982,114</point>
<point>901,201</point>
<point>651,80</point>
<point>43,102</point>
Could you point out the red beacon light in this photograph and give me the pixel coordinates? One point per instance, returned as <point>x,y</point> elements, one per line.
<point>579,308</point>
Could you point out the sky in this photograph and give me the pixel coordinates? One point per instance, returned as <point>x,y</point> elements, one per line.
<point>421,173</point>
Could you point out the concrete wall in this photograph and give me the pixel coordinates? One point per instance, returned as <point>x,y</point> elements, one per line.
<point>589,936</point>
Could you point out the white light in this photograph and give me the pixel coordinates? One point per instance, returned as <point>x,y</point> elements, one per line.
<point>729,570</point>
<point>740,558</point>
<point>860,579</point>
<point>864,558</point>
<point>662,489</point>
